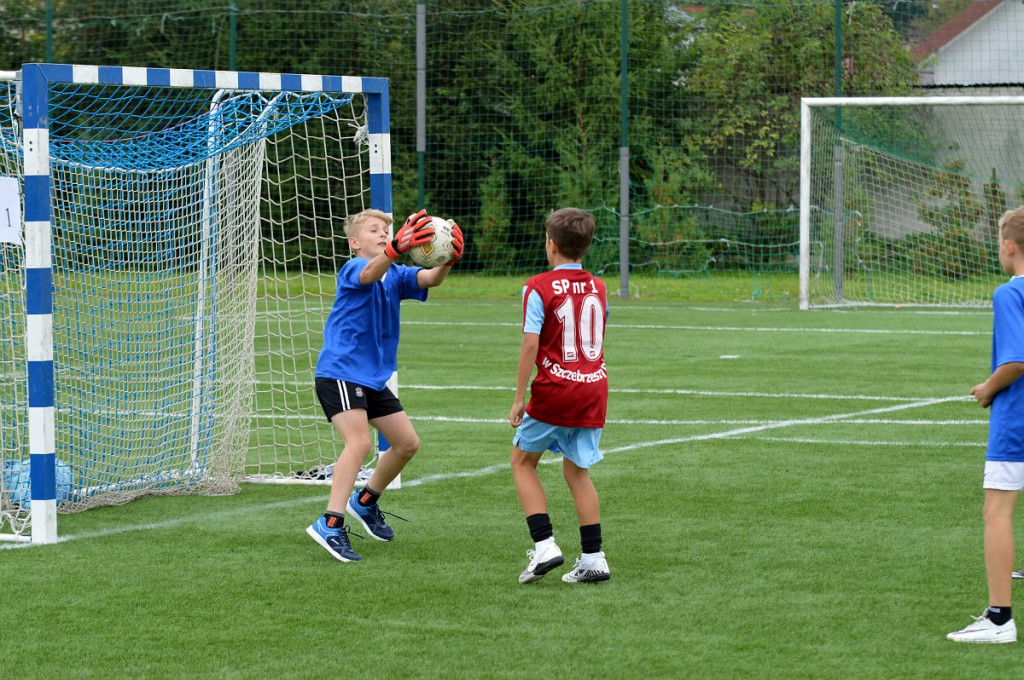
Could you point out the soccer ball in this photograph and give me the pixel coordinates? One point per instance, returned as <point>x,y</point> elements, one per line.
<point>15,475</point>
<point>440,249</point>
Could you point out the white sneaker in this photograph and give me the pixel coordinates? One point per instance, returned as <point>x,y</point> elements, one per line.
<point>1019,574</point>
<point>541,562</point>
<point>589,569</point>
<point>984,631</point>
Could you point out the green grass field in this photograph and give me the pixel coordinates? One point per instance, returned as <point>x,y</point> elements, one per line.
<point>785,494</point>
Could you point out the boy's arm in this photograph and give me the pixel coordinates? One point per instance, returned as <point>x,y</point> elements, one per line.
<point>1000,379</point>
<point>431,278</point>
<point>375,269</point>
<point>527,357</point>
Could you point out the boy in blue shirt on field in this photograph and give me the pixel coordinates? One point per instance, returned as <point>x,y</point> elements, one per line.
<point>359,355</point>
<point>1004,459</point>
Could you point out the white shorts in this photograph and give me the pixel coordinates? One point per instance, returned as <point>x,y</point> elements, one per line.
<point>581,445</point>
<point>1005,475</point>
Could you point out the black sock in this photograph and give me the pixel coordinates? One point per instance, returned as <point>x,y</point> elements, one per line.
<point>590,538</point>
<point>540,527</point>
<point>335,520</point>
<point>1000,615</point>
<point>367,496</point>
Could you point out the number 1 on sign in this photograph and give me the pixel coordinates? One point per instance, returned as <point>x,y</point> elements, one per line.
<point>10,211</point>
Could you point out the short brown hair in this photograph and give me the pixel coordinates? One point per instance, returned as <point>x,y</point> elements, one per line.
<point>355,222</point>
<point>572,230</point>
<point>1011,226</point>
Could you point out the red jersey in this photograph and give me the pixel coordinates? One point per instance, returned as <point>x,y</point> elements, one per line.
<point>571,386</point>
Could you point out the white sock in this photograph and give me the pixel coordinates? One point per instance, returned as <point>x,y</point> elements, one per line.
<point>547,542</point>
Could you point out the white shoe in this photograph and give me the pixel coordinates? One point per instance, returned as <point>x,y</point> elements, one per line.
<point>589,569</point>
<point>984,631</point>
<point>1019,574</point>
<point>541,562</point>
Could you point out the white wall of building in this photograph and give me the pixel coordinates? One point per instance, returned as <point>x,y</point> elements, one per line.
<point>989,52</point>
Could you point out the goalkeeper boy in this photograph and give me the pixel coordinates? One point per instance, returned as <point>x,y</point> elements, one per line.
<point>564,313</point>
<point>1004,458</point>
<point>359,355</point>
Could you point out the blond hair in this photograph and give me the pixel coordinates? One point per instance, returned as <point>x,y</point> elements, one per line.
<point>1011,226</point>
<point>355,222</point>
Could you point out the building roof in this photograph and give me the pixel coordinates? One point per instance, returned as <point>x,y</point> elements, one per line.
<point>954,27</point>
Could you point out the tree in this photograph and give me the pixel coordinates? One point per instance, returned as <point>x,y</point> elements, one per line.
<point>22,33</point>
<point>753,67</point>
<point>525,103</point>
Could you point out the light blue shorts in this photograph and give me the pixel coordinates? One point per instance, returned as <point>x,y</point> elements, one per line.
<point>581,445</point>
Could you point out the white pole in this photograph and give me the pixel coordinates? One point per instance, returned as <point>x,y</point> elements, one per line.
<point>204,259</point>
<point>805,204</point>
<point>910,101</point>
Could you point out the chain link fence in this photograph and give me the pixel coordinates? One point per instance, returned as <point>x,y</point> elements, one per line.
<point>525,110</point>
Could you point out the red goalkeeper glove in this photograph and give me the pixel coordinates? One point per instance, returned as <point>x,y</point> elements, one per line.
<point>415,232</point>
<point>456,245</point>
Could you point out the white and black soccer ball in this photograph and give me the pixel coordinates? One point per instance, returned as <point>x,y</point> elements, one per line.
<point>441,247</point>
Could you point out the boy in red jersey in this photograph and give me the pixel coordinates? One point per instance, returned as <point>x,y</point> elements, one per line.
<point>564,313</point>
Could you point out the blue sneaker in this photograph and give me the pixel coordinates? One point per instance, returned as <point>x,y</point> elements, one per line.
<point>334,540</point>
<point>370,517</point>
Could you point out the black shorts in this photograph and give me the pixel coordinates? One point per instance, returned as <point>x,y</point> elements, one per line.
<point>337,396</point>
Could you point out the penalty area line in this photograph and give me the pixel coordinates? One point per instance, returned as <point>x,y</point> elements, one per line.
<point>490,469</point>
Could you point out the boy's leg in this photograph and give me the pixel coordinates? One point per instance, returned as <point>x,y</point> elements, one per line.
<point>362,505</point>
<point>546,554</point>
<point>355,433</point>
<point>329,531</point>
<point>398,430</point>
<point>528,487</point>
<point>591,567</point>
<point>998,514</point>
<point>584,494</point>
<point>996,624</point>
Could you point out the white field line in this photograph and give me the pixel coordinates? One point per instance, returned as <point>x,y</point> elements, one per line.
<point>646,421</point>
<point>490,469</point>
<point>298,304</point>
<point>628,390</point>
<point>728,329</point>
<point>848,442</point>
<point>729,434</point>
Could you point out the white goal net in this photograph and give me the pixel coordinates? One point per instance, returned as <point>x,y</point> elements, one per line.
<point>195,231</point>
<point>900,197</point>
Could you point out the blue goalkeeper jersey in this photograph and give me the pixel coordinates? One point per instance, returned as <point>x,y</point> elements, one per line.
<point>1006,421</point>
<point>361,332</point>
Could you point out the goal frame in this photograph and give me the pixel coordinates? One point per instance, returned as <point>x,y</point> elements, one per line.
<point>806,104</point>
<point>37,224</point>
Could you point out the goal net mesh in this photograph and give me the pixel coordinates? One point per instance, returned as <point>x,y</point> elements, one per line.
<point>195,237</point>
<point>904,200</point>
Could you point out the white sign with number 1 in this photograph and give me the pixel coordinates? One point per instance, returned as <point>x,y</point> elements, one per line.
<point>10,211</point>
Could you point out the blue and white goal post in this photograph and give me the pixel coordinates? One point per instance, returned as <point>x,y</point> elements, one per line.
<point>169,241</point>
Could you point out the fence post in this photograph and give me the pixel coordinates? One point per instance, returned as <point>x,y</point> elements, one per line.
<point>624,153</point>
<point>421,100</point>
<point>233,35</point>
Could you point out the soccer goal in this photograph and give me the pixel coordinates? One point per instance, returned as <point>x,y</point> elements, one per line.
<point>163,304</point>
<point>900,196</point>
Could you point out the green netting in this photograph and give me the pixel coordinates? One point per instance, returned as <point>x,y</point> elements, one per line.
<point>905,199</point>
<point>523,107</point>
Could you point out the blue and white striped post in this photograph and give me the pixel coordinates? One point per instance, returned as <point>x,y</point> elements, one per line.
<point>379,128</point>
<point>38,261</point>
<point>39,305</point>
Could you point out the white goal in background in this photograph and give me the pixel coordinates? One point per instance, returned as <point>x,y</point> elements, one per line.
<point>163,306</point>
<point>899,198</point>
